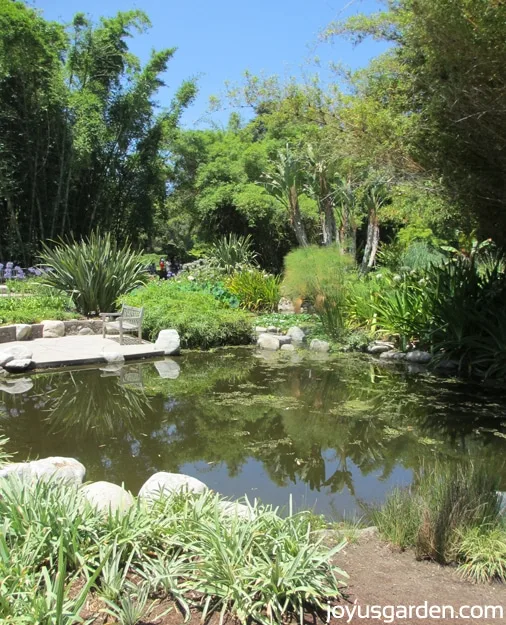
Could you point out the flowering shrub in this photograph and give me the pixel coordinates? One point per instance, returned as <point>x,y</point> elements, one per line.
<point>10,271</point>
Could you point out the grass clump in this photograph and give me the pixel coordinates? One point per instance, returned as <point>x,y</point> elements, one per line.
<point>451,515</point>
<point>56,553</point>
<point>255,289</point>
<point>34,308</point>
<point>201,319</point>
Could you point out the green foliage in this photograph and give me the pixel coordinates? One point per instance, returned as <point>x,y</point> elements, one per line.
<point>183,547</point>
<point>95,272</point>
<point>233,253</point>
<point>319,276</point>
<point>201,320</point>
<point>84,146</point>
<point>255,289</point>
<point>442,507</point>
<point>35,308</point>
<point>482,554</point>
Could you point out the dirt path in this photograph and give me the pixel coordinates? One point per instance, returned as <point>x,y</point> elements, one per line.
<point>381,576</point>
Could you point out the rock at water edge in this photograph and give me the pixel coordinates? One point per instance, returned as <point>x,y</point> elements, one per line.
<point>163,484</point>
<point>107,497</point>
<point>269,342</point>
<point>298,335</point>
<point>23,331</point>
<point>67,469</point>
<point>169,342</point>
<point>319,346</point>
<point>19,365</point>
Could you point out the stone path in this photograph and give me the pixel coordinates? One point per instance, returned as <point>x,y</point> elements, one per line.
<point>80,350</point>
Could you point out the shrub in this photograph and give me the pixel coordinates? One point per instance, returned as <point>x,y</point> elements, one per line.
<point>255,289</point>
<point>233,253</point>
<point>95,271</point>
<point>319,275</point>
<point>201,320</point>
<point>35,308</point>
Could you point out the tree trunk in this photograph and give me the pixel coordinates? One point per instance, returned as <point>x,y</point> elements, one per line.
<point>329,227</point>
<point>296,219</point>
<point>371,246</point>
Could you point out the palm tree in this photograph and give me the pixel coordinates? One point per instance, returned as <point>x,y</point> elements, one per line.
<point>284,182</point>
<point>376,196</point>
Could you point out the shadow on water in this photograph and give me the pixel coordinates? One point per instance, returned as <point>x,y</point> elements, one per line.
<point>331,431</point>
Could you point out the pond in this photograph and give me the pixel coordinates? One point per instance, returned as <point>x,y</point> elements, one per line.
<point>335,432</point>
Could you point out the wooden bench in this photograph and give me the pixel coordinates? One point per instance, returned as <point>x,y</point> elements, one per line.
<point>128,320</point>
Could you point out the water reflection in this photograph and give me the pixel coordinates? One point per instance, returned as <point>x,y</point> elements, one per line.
<point>332,430</point>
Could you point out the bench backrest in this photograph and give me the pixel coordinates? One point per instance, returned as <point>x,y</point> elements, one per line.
<point>132,314</point>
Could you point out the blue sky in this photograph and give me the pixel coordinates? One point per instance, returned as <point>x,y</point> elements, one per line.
<point>218,40</point>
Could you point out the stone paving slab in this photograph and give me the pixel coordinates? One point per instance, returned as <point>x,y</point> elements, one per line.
<point>80,350</point>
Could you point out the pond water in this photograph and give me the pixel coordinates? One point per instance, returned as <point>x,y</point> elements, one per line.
<point>334,432</point>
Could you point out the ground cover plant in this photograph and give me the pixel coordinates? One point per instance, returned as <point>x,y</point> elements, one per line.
<point>202,320</point>
<point>59,558</point>
<point>452,515</point>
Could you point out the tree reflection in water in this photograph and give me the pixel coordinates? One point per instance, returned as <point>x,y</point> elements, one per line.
<point>324,423</point>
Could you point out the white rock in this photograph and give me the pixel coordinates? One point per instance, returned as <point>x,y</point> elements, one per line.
<point>16,386</point>
<point>19,365</point>
<point>378,349</point>
<point>23,331</point>
<point>19,352</point>
<point>269,342</point>
<point>85,331</point>
<point>113,357</point>
<point>319,346</point>
<point>53,329</point>
<point>286,305</point>
<point>107,497</point>
<point>169,341</point>
<point>163,483</point>
<point>260,329</point>
<point>67,469</point>
<point>5,357</point>
<point>418,357</point>
<point>392,355</point>
<point>168,369</point>
<point>3,290</point>
<point>298,335</point>
<point>288,347</point>
<point>235,509</point>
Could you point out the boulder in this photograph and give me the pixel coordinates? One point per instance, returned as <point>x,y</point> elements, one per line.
<point>5,357</point>
<point>416,368</point>
<point>418,357</point>
<point>272,329</point>
<point>319,346</point>
<point>23,331</point>
<point>67,469</point>
<point>16,386</point>
<point>298,335</point>
<point>113,357</point>
<point>163,483</point>
<point>235,509</point>
<point>53,329</point>
<point>269,342</point>
<point>286,306</point>
<point>3,372</point>
<point>19,365</point>
<point>260,329</point>
<point>284,339</point>
<point>393,355</point>
<point>168,369</point>
<point>107,497</point>
<point>287,347</point>
<point>85,332</point>
<point>169,341</point>
<point>18,352</point>
<point>375,348</point>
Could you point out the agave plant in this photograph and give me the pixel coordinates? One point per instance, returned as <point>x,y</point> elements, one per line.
<point>233,252</point>
<point>95,272</point>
